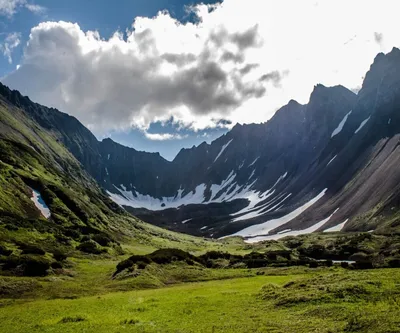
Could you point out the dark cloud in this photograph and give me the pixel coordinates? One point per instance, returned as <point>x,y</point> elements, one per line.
<point>248,68</point>
<point>247,39</point>
<point>230,56</point>
<point>124,83</point>
<point>275,77</point>
<point>179,59</point>
<point>378,37</point>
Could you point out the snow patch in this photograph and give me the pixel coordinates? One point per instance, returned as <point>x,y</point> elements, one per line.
<point>252,174</point>
<point>280,178</point>
<point>106,171</point>
<point>185,221</point>
<point>137,200</point>
<point>362,125</point>
<point>215,189</point>
<point>108,157</point>
<point>264,228</point>
<point>341,125</point>
<point>331,160</point>
<point>223,149</point>
<point>254,161</point>
<point>336,228</point>
<point>277,236</point>
<point>260,210</point>
<point>40,204</point>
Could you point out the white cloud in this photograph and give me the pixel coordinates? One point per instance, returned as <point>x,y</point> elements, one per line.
<point>9,44</point>
<point>163,136</point>
<point>240,62</point>
<point>37,9</point>
<point>10,7</point>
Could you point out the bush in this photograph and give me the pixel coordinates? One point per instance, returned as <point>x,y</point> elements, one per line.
<point>102,240</point>
<point>27,265</point>
<point>166,256</point>
<point>313,264</point>
<point>56,265</point>
<point>4,251</point>
<point>344,264</point>
<point>141,265</point>
<point>34,266</point>
<point>90,247</point>
<point>31,249</point>
<point>394,263</point>
<point>124,265</point>
<point>59,256</point>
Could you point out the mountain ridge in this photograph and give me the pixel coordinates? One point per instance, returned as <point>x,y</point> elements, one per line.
<point>274,167</point>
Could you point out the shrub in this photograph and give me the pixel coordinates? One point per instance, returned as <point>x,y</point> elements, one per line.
<point>89,247</point>
<point>4,251</point>
<point>27,265</point>
<point>34,266</point>
<point>166,256</point>
<point>313,264</point>
<point>59,256</point>
<point>31,249</point>
<point>344,264</point>
<point>394,263</point>
<point>101,239</point>
<point>141,265</point>
<point>256,263</point>
<point>56,265</point>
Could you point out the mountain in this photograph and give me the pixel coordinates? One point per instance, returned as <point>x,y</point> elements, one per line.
<point>337,153</point>
<point>326,165</point>
<point>48,202</point>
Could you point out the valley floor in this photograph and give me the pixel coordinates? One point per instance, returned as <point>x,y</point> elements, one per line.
<point>264,300</point>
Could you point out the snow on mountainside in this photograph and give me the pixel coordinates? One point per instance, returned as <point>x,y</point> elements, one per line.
<point>279,168</point>
<point>261,181</point>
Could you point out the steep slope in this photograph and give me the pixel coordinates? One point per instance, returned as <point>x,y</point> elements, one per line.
<point>48,202</point>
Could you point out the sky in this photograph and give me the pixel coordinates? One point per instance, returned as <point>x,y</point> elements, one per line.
<point>160,75</point>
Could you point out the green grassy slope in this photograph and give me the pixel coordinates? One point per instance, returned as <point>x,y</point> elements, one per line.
<point>325,300</point>
<point>33,156</point>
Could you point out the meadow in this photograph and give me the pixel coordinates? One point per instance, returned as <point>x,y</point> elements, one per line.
<point>181,298</point>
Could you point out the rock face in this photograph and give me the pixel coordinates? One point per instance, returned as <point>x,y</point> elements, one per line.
<point>310,167</point>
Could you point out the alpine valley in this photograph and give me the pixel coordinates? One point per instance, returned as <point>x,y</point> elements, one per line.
<point>294,222</point>
<point>327,165</point>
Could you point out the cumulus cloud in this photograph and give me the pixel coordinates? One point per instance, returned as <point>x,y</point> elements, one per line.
<point>10,7</point>
<point>238,61</point>
<point>11,41</point>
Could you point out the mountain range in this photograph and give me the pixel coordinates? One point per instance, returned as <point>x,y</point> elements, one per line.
<point>329,165</point>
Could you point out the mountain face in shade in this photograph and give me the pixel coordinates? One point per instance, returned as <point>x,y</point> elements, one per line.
<point>331,164</point>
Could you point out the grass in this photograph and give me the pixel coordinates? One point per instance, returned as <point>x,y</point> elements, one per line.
<point>288,300</point>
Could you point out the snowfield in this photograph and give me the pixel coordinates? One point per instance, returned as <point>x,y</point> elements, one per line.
<point>264,228</point>
<point>341,125</point>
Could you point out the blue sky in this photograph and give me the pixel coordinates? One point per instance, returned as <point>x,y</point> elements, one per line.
<point>161,75</point>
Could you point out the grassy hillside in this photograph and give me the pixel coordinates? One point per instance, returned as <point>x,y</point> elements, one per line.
<point>83,219</point>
